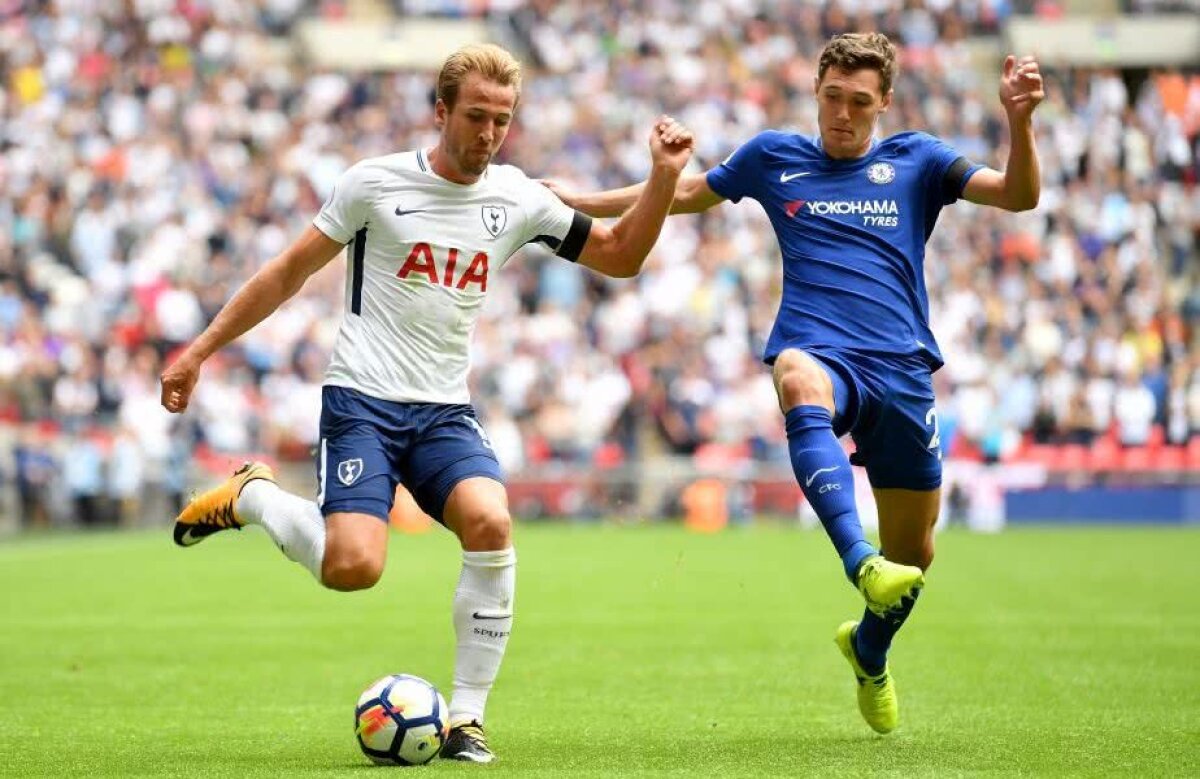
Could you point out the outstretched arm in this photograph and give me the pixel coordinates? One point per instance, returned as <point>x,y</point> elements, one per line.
<point>692,195</point>
<point>620,251</point>
<point>1019,186</point>
<point>258,298</point>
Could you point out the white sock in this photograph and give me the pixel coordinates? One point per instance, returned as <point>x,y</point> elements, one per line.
<point>293,523</point>
<point>483,615</point>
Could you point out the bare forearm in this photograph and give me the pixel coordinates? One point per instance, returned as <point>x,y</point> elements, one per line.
<point>614,202</point>
<point>255,301</point>
<point>1022,174</point>
<point>266,290</point>
<point>638,229</point>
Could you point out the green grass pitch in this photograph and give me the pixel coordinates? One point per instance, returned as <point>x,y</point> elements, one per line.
<point>637,651</point>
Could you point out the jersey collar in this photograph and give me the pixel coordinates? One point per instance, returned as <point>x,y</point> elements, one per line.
<point>821,148</point>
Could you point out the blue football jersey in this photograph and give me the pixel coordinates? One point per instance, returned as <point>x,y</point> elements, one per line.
<point>852,234</point>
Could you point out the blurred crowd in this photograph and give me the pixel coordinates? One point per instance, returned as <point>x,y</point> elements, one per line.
<point>154,153</point>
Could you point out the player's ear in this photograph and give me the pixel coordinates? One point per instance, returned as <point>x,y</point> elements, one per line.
<point>439,113</point>
<point>886,103</point>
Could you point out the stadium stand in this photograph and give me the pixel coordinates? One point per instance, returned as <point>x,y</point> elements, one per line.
<point>154,153</point>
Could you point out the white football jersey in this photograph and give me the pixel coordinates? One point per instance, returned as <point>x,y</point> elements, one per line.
<point>421,251</point>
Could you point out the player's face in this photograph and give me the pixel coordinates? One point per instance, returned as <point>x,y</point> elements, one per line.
<point>848,103</point>
<point>474,129</point>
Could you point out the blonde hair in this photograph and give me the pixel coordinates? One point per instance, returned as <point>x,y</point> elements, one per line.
<point>488,60</point>
<point>860,51</point>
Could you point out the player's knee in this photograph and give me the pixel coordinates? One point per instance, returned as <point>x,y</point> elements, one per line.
<point>920,556</point>
<point>487,530</point>
<point>802,382</point>
<point>351,569</point>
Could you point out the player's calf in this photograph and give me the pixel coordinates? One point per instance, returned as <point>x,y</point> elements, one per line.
<point>476,511</point>
<point>907,518</point>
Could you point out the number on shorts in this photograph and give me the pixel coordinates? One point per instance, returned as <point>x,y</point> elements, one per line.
<point>935,441</point>
<point>483,436</point>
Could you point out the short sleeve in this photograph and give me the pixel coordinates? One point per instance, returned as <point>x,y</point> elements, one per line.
<point>345,211</point>
<point>740,175</point>
<point>555,224</point>
<point>946,170</point>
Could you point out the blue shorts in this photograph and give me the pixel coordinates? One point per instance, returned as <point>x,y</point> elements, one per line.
<point>368,446</point>
<point>887,406</point>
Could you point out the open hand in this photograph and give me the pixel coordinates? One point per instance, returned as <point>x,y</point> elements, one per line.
<point>560,191</point>
<point>671,143</point>
<point>1021,87</point>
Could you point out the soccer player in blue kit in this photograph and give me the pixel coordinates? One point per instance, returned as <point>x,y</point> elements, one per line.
<point>851,347</point>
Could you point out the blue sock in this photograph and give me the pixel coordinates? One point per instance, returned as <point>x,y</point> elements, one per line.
<point>874,634</point>
<point>823,470</point>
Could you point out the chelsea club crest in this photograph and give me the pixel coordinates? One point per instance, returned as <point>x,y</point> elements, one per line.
<point>881,173</point>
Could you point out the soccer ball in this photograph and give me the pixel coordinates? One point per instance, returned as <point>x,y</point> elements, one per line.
<point>401,720</point>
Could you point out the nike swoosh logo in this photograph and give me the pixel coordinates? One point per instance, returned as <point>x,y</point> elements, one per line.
<point>477,615</point>
<point>785,178</point>
<point>401,212</point>
<point>808,482</point>
<point>187,537</point>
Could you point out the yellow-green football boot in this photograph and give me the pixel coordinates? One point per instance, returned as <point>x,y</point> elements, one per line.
<point>884,584</point>
<point>876,694</point>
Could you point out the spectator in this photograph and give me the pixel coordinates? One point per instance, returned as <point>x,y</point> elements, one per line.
<point>35,467</point>
<point>83,475</point>
<point>1134,411</point>
<point>154,159</point>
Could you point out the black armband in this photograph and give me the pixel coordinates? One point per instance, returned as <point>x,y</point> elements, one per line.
<point>952,184</point>
<point>572,246</point>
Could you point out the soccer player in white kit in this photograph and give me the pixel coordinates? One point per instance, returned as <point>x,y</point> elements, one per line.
<point>425,229</point>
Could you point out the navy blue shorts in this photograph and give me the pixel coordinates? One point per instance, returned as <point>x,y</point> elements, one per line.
<point>368,446</point>
<point>887,406</point>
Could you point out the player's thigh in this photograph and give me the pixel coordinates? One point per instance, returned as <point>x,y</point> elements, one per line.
<point>477,512</point>
<point>902,455</point>
<point>355,471</point>
<point>356,485</point>
<point>454,459</point>
<point>906,522</point>
<point>819,378</point>
<point>801,380</point>
<point>901,448</point>
<point>354,475</point>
